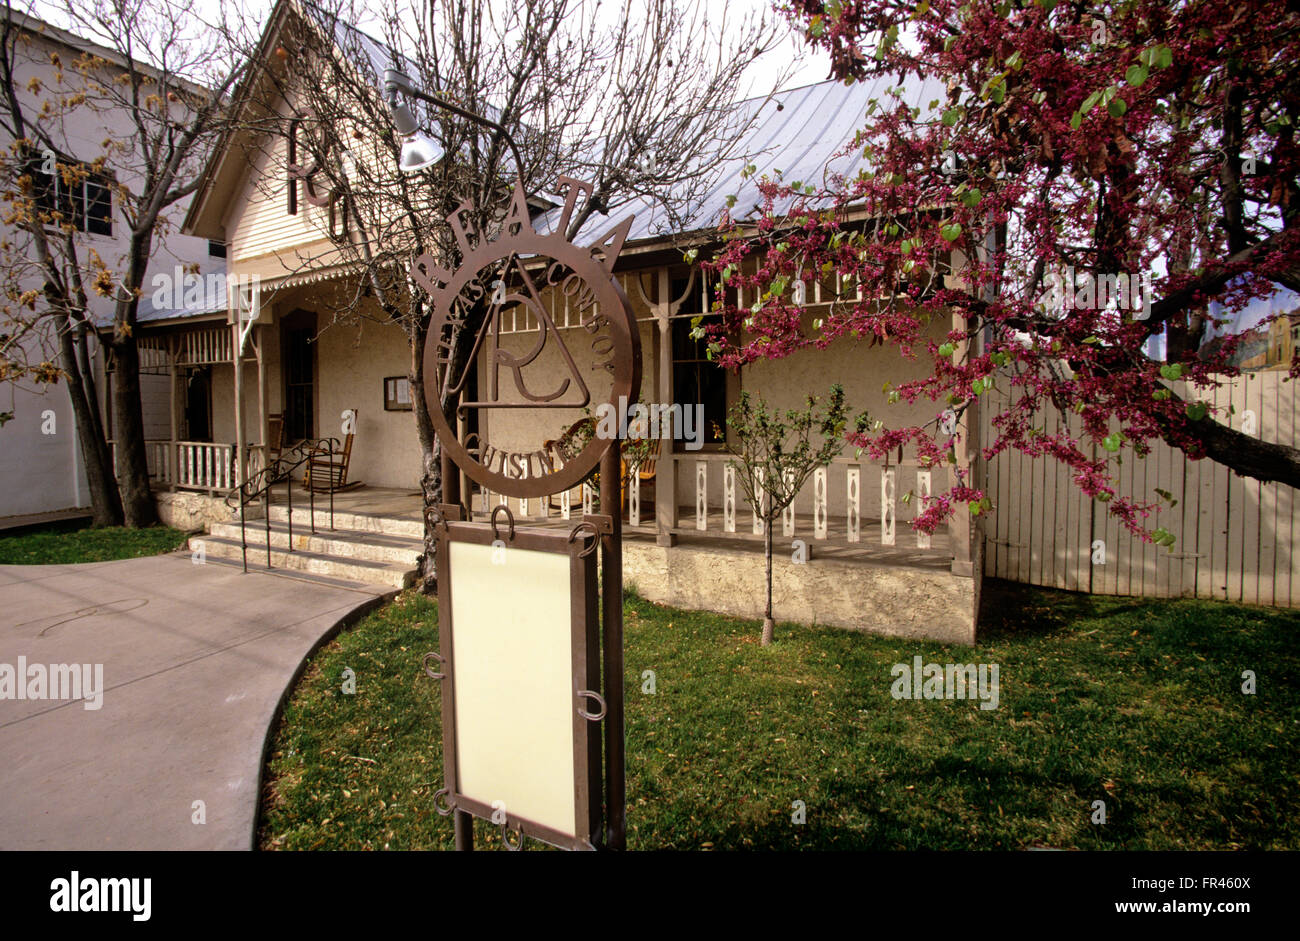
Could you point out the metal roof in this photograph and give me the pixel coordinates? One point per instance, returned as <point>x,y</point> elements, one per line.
<point>797,132</point>
<point>795,135</point>
<point>147,313</point>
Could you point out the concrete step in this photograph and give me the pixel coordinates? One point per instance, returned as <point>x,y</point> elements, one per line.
<point>392,574</point>
<point>345,583</point>
<point>361,522</point>
<point>343,543</point>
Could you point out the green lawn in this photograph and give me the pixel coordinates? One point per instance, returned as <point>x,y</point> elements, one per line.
<point>61,543</point>
<point>1134,702</point>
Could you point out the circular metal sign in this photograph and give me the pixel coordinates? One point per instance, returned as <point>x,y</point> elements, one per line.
<point>593,366</point>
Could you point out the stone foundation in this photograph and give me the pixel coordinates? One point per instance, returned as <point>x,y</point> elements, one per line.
<point>926,603</point>
<point>191,511</point>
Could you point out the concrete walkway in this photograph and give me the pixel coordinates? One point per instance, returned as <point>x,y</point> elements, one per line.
<point>196,659</point>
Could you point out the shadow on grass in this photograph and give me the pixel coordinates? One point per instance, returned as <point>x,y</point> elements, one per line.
<point>1009,612</point>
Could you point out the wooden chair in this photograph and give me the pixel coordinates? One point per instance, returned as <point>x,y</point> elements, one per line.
<point>329,472</point>
<point>274,436</point>
<point>556,446</point>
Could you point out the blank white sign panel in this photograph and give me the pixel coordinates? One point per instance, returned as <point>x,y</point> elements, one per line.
<point>512,651</point>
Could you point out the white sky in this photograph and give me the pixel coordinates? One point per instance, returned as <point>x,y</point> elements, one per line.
<point>805,65</point>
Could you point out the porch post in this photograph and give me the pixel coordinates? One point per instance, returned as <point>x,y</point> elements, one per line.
<point>666,475</point>
<point>263,435</point>
<point>169,464</point>
<point>237,357</point>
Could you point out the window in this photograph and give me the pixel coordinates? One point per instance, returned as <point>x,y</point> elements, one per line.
<point>88,205</point>
<point>216,249</point>
<point>696,380</point>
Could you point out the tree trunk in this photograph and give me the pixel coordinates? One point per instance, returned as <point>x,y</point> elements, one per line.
<point>430,462</point>
<point>769,626</point>
<point>138,508</point>
<point>96,458</point>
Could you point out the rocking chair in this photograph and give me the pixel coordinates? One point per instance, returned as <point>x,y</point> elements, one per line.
<point>328,471</point>
<point>274,436</point>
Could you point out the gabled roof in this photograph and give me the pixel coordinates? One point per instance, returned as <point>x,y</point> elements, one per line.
<point>366,52</point>
<point>793,135</point>
<point>225,168</point>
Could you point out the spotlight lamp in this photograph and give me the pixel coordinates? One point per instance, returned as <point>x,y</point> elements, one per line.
<point>419,150</point>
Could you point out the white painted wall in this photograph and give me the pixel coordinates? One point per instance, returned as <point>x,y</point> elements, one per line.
<point>40,472</point>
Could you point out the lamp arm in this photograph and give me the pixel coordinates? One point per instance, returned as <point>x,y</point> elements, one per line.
<point>478,118</point>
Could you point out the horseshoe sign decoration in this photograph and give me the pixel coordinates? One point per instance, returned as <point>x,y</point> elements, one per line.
<point>524,271</point>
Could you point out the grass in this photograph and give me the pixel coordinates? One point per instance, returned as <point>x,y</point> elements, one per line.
<point>1135,702</point>
<point>73,541</point>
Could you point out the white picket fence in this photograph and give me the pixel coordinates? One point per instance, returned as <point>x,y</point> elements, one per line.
<point>832,505</point>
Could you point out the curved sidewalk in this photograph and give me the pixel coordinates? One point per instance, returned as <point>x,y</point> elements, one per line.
<point>196,659</point>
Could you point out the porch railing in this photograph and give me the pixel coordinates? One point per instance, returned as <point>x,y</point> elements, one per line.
<point>257,487</point>
<point>193,465</point>
<point>841,502</point>
<point>188,465</point>
<point>846,502</point>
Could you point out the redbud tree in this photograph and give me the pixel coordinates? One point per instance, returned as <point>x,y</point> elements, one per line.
<point>1151,139</point>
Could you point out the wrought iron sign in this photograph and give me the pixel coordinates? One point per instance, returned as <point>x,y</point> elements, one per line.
<point>514,271</point>
<point>521,710</point>
<point>530,681</point>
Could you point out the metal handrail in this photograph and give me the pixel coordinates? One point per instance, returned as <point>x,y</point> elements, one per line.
<point>280,470</point>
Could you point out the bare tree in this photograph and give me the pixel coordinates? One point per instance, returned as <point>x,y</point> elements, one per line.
<point>155,85</point>
<point>641,104</point>
<point>775,456</point>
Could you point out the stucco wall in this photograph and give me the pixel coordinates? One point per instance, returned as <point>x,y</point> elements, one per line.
<point>351,363</point>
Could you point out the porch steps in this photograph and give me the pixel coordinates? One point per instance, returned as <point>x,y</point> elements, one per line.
<point>362,547</point>
<point>342,543</point>
<point>392,574</point>
<point>345,583</point>
<point>347,520</point>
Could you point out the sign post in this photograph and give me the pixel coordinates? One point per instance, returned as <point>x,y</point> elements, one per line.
<point>528,674</point>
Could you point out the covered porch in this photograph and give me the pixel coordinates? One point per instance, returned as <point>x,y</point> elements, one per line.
<point>843,554</point>
<point>853,569</point>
